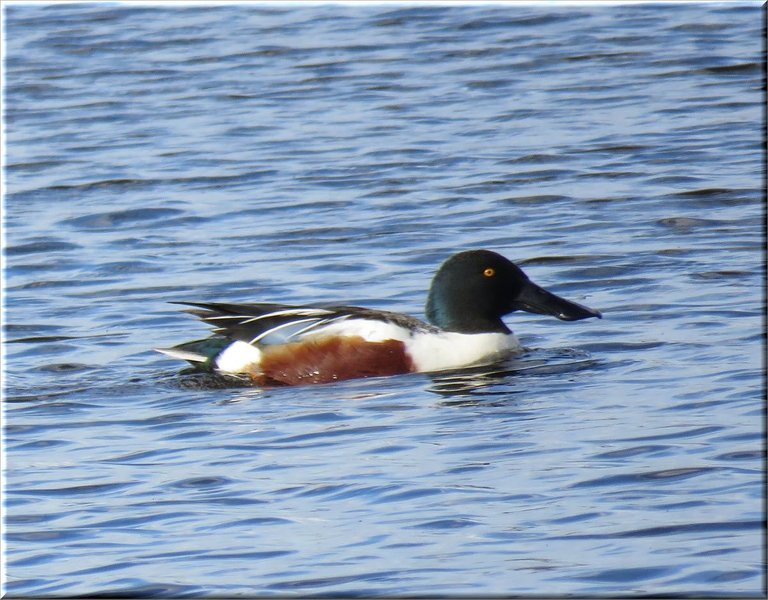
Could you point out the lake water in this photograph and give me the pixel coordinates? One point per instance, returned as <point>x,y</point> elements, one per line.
<point>339,153</point>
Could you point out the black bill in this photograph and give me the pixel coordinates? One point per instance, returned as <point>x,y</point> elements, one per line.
<point>534,299</point>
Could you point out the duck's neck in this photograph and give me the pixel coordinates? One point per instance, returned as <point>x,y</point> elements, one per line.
<point>462,319</point>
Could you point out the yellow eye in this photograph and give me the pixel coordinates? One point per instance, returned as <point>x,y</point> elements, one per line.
<point>489,272</point>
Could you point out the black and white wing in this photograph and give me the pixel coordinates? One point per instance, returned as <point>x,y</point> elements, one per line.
<point>263,323</point>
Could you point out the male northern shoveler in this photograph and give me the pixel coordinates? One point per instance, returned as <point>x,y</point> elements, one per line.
<point>276,344</point>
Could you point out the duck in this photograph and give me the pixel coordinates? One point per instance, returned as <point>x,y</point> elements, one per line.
<point>272,344</point>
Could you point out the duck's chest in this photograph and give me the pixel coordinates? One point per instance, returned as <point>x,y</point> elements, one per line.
<point>449,350</point>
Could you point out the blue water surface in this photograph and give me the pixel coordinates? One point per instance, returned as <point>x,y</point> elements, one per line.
<point>339,153</point>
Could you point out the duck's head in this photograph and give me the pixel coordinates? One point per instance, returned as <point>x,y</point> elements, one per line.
<point>473,290</point>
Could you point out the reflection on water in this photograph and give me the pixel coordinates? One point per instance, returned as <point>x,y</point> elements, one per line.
<point>491,380</point>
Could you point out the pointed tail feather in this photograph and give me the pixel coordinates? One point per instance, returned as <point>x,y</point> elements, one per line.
<point>192,357</point>
<point>200,353</point>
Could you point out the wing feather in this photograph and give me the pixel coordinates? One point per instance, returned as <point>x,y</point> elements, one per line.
<point>266,323</point>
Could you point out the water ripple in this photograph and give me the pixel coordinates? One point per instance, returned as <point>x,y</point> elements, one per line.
<point>339,153</point>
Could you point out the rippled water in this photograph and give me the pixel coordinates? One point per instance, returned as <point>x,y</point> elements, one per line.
<point>340,153</point>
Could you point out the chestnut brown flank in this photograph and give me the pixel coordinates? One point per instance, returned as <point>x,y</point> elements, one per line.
<point>329,359</point>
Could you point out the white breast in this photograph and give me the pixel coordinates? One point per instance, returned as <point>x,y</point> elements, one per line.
<point>449,350</point>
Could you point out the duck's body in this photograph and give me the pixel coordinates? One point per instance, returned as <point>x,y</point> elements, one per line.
<point>276,344</point>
